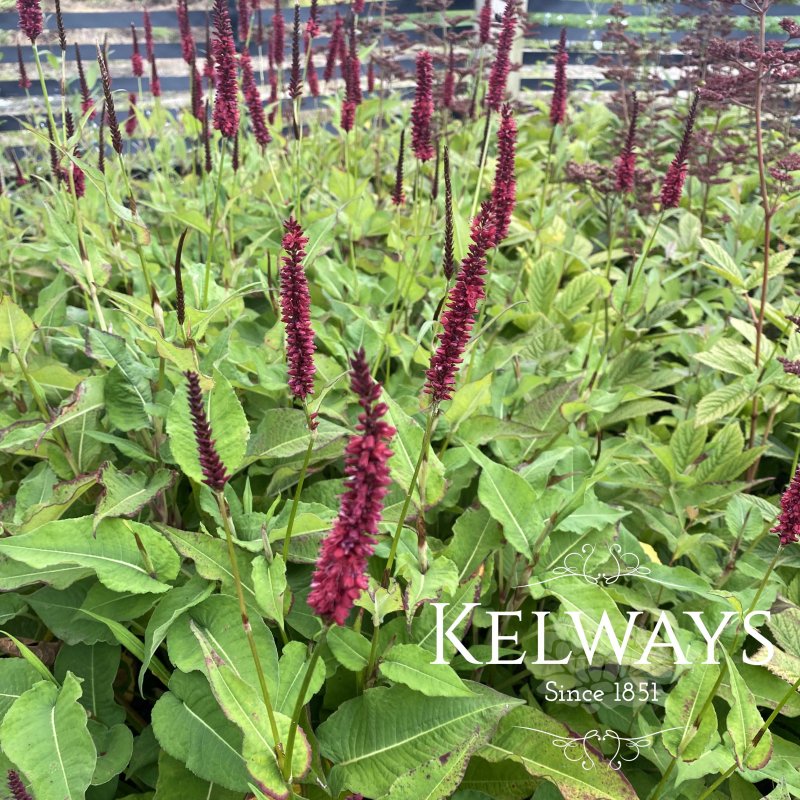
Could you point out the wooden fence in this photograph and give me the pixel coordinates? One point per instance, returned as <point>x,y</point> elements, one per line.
<point>90,26</point>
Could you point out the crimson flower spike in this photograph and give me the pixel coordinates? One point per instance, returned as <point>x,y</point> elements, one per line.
<point>558,102</point>
<point>498,77</point>
<point>111,114</point>
<point>354,67</point>
<point>311,75</point>
<point>214,473</point>
<point>459,316</point>
<point>244,20</point>
<point>333,47</point>
<point>312,26</point>
<point>208,65</point>
<point>359,6</point>
<point>148,36</point>
<point>209,164</point>
<point>155,83</point>
<point>226,105</point>
<point>296,79</point>
<point>185,28</point>
<point>296,311</point>
<point>448,257</point>
<point>422,110</point>
<point>101,141</point>
<point>676,173</point>
<point>130,122</point>
<point>371,75</point>
<point>17,787</point>
<point>196,92</point>
<point>24,80</point>
<point>137,66</point>
<point>340,574</point>
<point>252,99</point>
<point>625,168</point>
<point>86,97</point>
<point>62,33</point>
<point>504,192</point>
<point>278,34</point>
<point>448,88</point>
<point>398,195</point>
<point>31,20</point>
<point>788,525</point>
<point>485,23</point>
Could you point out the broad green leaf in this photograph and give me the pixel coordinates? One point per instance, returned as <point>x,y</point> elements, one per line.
<point>64,495</point>
<point>282,433</point>
<point>722,263</point>
<point>169,608</point>
<point>16,677</point>
<point>229,428</point>
<point>175,780</point>
<point>729,356</point>
<point>218,617</point>
<point>96,665</point>
<point>16,328</point>
<point>537,741</point>
<point>349,647</point>
<point>438,778</point>
<point>744,722</point>
<point>412,665</point>
<point>292,669</point>
<point>269,584</point>
<point>722,402</point>
<point>683,705</point>
<point>475,535</point>
<point>191,727</point>
<point>686,444</point>
<point>210,556</point>
<point>406,445</point>
<point>242,704</point>
<point>468,399</point>
<point>114,747</point>
<point>45,735</point>
<point>509,499</point>
<point>111,552</point>
<point>124,495</point>
<point>371,744</point>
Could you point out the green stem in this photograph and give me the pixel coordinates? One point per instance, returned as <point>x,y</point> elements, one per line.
<point>482,167</point>
<point>312,437</point>
<point>213,230</point>
<point>248,630</point>
<point>433,415</point>
<point>298,706</point>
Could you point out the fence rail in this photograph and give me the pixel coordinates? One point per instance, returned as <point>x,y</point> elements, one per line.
<point>536,46</point>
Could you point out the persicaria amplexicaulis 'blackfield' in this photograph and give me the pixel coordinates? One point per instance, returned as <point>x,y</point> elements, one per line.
<point>340,574</point>
<point>625,171</point>
<point>422,111</point>
<point>498,77</point>
<point>676,173</point>
<point>31,20</point>
<point>504,192</point>
<point>226,105</point>
<point>214,472</point>
<point>558,102</point>
<point>398,195</point>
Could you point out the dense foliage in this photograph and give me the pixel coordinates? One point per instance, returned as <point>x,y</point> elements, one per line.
<point>276,380</point>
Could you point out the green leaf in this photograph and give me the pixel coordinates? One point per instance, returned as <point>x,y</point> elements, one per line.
<point>530,738</point>
<point>242,704</point>
<point>175,780</point>
<point>411,665</point>
<point>744,722</point>
<point>16,677</point>
<point>349,648</point>
<point>114,747</point>
<point>722,402</point>
<point>30,657</point>
<point>509,499</point>
<point>722,263</point>
<point>16,328</point>
<point>406,445</point>
<point>475,535</point>
<point>229,427</point>
<point>45,735</point>
<point>125,495</point>
<point>169,608</point>
<point>111,552</point>
<point>219,619</point>
<point>282,433</point>
<point>438,778</point>
<point>683,705</point>
<point>372,744</point>
<point>96,665</point>
<point>269,584</point>
<point>686,444</point>
<point>191,727</point>
<point>292,669</point>
<point>210,556</point>
<point>728,356</point>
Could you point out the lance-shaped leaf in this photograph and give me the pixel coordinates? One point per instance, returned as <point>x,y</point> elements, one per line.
<point>683,705</point>
<point>372,742</point>
<point>112,552</point>
<point>45,735</point>
<point>124,495</point>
